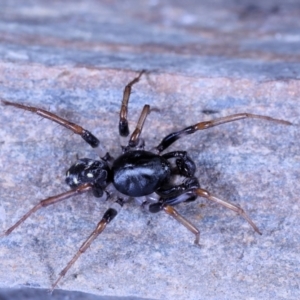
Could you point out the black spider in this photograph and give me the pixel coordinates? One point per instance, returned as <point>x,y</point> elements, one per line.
<point>136,173</point>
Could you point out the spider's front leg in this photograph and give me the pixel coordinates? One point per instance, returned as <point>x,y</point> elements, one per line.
<point>85,134</point>
<point>46,202</point>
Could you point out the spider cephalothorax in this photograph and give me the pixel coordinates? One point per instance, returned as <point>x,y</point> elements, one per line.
<point>95,172</point>
<point>147,175</point>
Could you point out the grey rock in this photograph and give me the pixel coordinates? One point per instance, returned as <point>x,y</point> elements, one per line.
<point>205,61</point>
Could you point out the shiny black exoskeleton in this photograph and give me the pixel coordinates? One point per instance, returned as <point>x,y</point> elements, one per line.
<point>157,181</point>
<point>95,172</point>
<point>136,173</point>
<point>140,173</point>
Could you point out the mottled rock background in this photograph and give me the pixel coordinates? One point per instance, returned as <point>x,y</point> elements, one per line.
<point>205,60</point>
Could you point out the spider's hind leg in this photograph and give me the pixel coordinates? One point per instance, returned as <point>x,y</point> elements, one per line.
<point>205,194</point>
<point>173,195</point>
<point>186,223</point>
<point>174,136</point>
<point>189,190</point>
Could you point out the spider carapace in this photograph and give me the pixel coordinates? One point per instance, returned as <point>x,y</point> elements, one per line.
<point>137,173</point>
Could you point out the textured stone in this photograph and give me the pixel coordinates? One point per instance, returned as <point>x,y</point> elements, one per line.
<point>205,61</point>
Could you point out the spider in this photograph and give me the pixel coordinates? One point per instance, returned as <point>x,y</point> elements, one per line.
<point>147,176</point>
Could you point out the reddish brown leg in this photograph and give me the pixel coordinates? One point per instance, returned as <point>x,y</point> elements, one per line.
<point>51,200</point>
<point>171,138</point>
<point>174,213</point>
<point>85,134</point>
<point>237,209</point>
<point>107,217</point>
<point>123,123</point>
<point>134,138</point>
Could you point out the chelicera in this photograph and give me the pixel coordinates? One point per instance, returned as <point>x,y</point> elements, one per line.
<point>147,176</point>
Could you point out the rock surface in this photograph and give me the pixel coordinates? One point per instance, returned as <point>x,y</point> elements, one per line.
<point>205,61</point>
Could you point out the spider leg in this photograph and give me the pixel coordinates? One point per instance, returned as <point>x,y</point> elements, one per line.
<point>51,200</point>
<point>107,217</point>
<point>188,191</point>
<point>85,134</point>
<point>205,194</point>
<point>185,166</point>
<point>174,136</point>
<point>123,123</point>
<point>187,224</point>
<point>134,138</point>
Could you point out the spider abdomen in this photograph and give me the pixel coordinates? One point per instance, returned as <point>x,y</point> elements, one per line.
<point>140,173</point>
